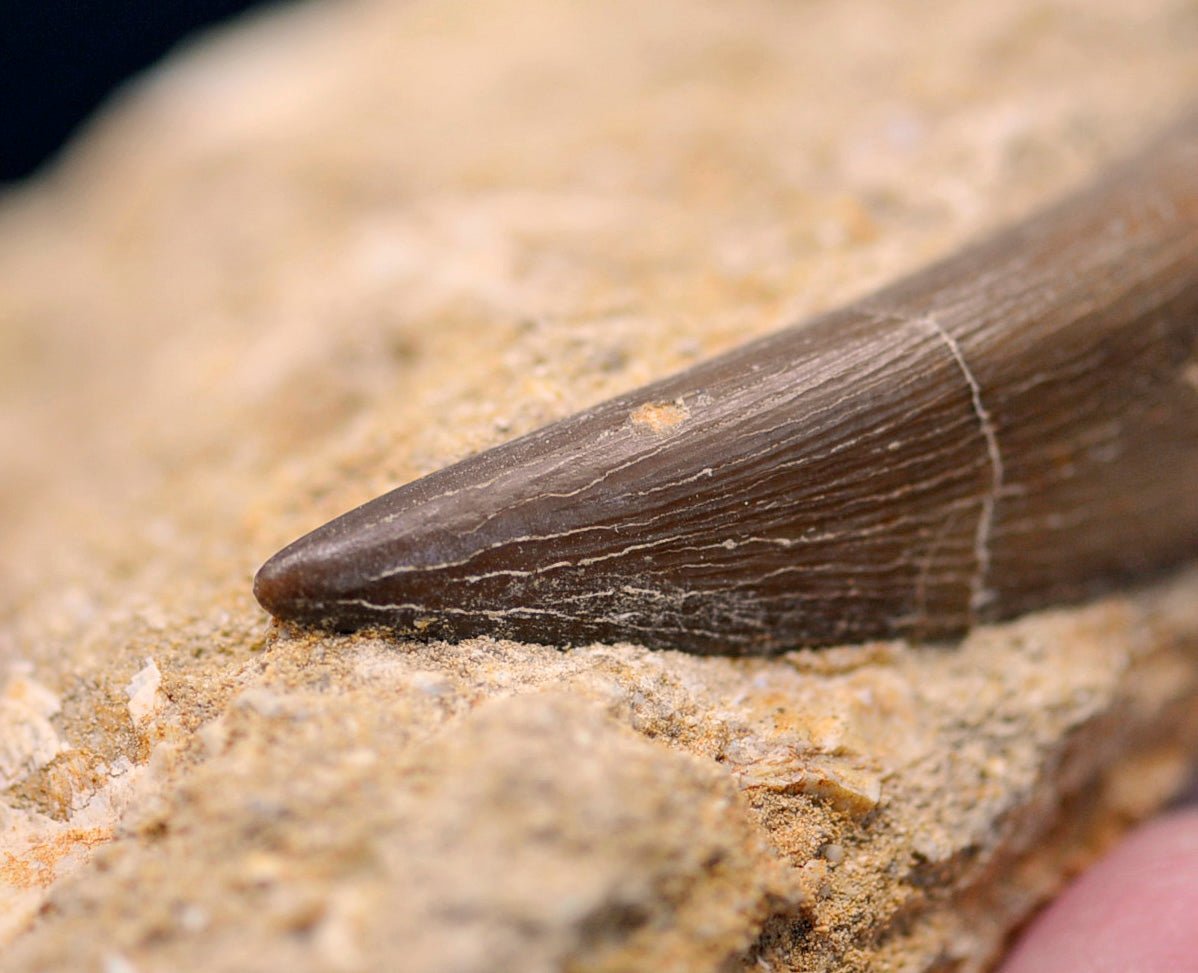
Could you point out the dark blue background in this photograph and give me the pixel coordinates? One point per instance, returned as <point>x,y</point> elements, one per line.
<point>60,58</point>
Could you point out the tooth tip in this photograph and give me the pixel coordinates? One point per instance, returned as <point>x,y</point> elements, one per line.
<point>274,587</point>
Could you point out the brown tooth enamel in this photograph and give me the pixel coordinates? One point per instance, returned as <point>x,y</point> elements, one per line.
<point>1015,426</point>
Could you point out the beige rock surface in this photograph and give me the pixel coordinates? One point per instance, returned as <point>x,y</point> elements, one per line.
<point>343,245</point>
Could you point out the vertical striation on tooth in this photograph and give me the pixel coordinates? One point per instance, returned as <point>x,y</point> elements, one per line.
<point>1013,427</point>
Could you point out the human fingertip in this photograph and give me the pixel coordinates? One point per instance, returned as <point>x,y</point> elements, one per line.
<point>1135,911</point>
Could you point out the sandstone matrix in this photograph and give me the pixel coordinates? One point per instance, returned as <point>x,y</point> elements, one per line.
<point>339,246</point>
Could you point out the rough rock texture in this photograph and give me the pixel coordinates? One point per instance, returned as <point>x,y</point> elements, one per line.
<point>341,246</point>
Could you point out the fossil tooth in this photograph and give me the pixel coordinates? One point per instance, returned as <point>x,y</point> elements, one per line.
<point>1013,427</point>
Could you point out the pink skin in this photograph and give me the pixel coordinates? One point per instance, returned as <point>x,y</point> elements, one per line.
<point>1136,911</point>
